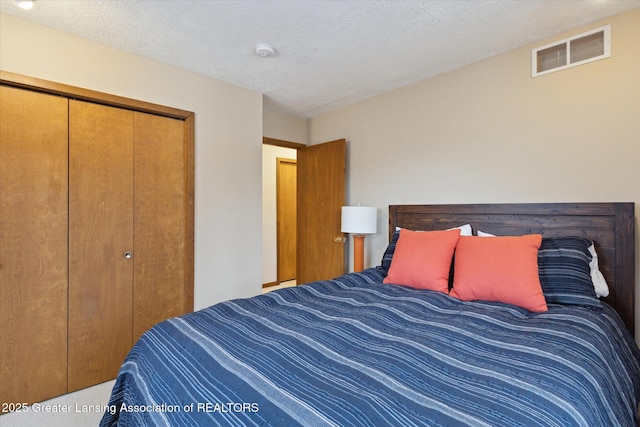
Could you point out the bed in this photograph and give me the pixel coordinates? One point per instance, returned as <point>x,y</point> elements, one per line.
<point>356,351</point>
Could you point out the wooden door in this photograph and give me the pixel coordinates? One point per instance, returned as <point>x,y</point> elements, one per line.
<point>100,234</point>
<point>33,245</point>
<point>286,177</point>
<point>320,197</point>
<point>161,285</point>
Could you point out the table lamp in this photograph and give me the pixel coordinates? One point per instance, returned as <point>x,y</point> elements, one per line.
<point>358,221</point>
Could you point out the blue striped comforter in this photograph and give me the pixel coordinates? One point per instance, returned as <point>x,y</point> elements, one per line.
<point>355,352</point>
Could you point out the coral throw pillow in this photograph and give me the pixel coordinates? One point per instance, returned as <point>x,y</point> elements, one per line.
<point>422,259</point>
<point>502,269</point>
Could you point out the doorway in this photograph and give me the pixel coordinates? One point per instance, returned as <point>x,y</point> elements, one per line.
<point>320,194</point>
<point>279,158</point>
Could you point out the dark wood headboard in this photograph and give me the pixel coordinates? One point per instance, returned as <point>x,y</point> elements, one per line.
<point>611,226</point>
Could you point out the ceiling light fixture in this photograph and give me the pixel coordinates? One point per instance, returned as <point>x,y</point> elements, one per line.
<point>265,50</point>
<point>24,4</point>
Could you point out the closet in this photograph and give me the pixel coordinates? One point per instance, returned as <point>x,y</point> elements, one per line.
<point>96,232</point>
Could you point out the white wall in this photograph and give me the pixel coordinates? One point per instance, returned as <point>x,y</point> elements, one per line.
<point>489,133</point>
<point>283,126</point>
<point>228,139</point>
<point>269,210</point>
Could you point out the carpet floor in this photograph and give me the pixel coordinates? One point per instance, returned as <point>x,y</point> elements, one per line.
<point>83,408</point>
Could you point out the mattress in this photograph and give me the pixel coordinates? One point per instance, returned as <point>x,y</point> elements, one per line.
<point>356,352</point>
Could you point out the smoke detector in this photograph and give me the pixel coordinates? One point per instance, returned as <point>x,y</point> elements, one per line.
<point>265,50</point>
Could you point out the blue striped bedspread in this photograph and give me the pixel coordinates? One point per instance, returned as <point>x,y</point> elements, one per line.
<point>354,352</point>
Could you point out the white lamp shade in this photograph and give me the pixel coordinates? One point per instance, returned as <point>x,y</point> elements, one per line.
<point>359,220</point>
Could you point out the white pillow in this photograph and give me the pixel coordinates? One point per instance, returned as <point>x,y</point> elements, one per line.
<point>465,230</point>
<point>597,278</point>
<point>599,282</point>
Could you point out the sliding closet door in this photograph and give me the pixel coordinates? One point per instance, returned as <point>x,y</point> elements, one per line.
<point>161,288</point>
<point>101,253</point>
<point>33,245</point>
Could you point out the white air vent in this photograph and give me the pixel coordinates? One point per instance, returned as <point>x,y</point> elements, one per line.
<point>581,49</point>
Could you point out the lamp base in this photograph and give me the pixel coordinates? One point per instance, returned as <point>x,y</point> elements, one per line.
<point>358,253</point>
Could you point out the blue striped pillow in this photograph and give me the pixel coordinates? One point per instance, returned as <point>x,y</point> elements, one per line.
<point>565,275</point>
<point>388,254</point>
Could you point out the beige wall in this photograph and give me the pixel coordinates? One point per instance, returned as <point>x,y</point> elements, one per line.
<point>490,133</point>
<point>283,126</point>
<point>228,142</point>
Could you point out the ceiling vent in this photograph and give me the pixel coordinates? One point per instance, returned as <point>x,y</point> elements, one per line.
<point>581,49</point>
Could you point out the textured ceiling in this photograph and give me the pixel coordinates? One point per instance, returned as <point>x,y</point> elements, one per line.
<point>329,53</point>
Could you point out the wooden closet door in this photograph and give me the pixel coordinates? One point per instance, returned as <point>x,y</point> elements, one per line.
<point>33,245</point>
<point>100,233</point>
<point>161,288</point>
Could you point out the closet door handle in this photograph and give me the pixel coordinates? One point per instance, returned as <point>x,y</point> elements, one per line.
<point>128,255</point>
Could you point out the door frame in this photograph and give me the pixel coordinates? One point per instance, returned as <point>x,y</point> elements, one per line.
<point>282,143</point>
<point>285,144</point>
